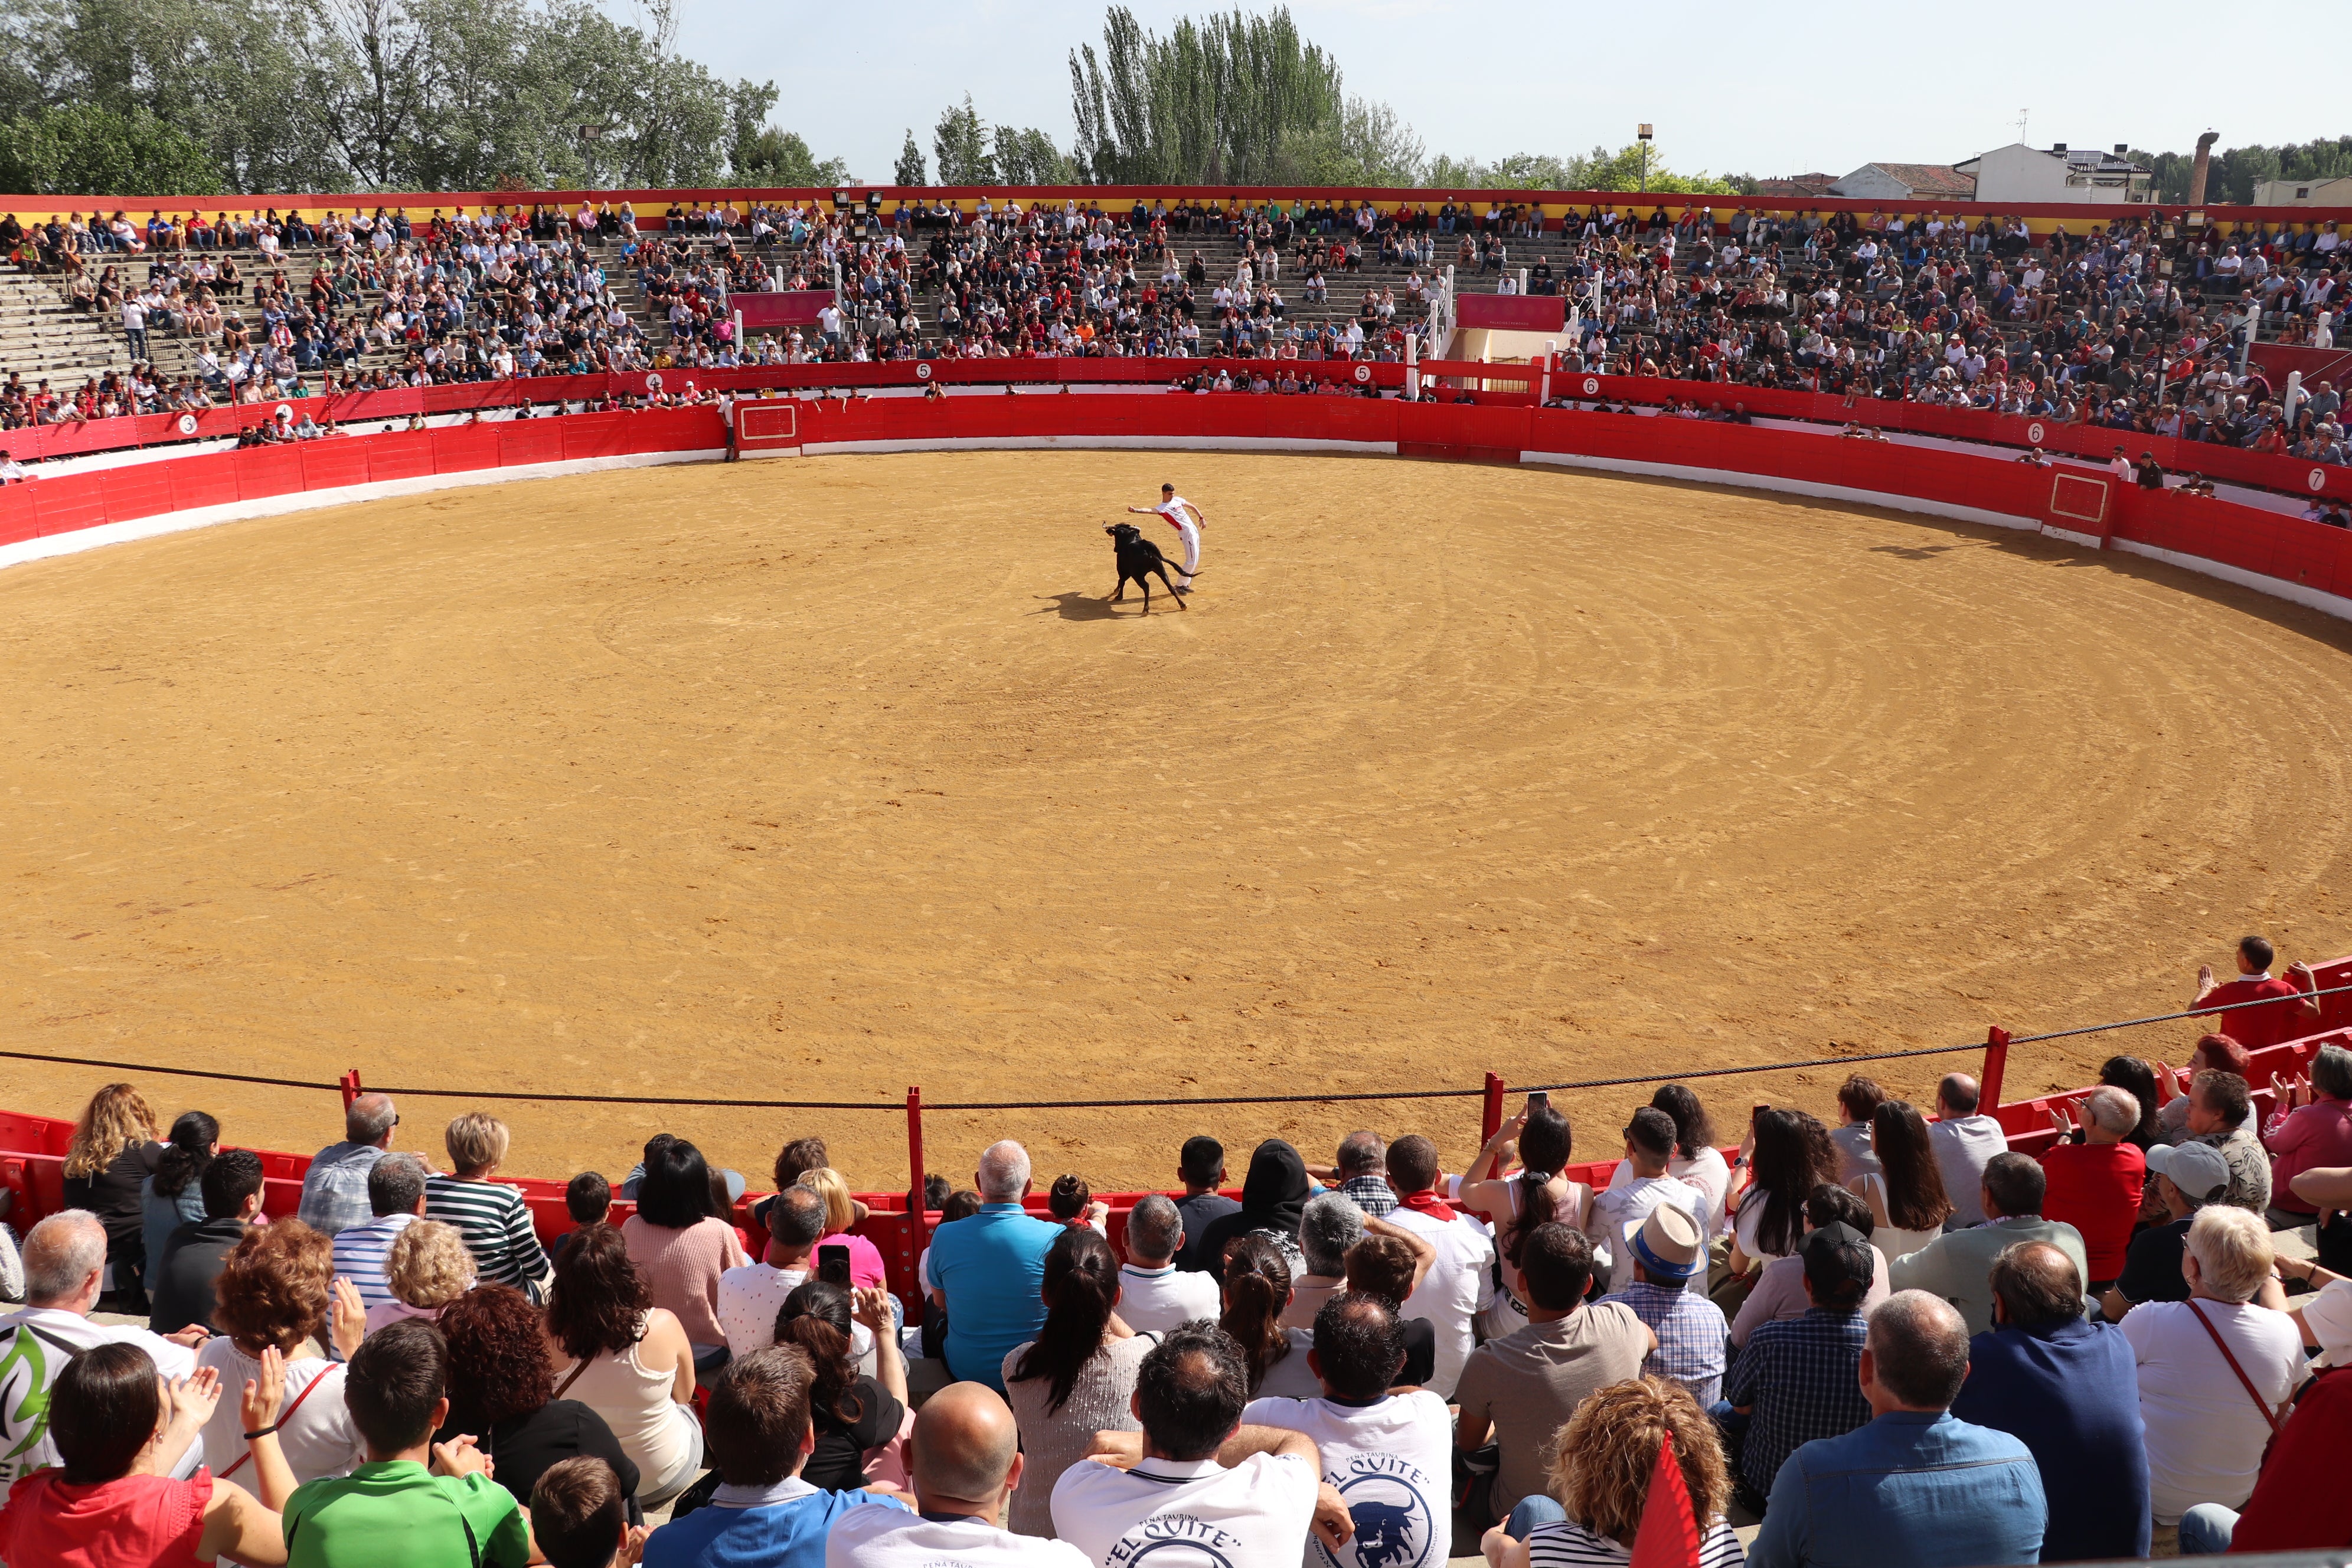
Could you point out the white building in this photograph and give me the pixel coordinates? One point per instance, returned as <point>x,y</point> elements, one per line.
<point>1906,182</point>
<point>2336,193</point>
<point>2022,177</point>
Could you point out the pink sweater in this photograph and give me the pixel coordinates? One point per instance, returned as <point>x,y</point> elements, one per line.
<point>682,1269</point>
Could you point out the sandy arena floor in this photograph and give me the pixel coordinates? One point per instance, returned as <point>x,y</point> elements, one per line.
<point>817,779</point>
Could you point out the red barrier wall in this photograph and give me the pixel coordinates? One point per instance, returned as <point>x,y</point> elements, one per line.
<point>2225,464</point>
<point>75,501</point>
<point>1497,428</point>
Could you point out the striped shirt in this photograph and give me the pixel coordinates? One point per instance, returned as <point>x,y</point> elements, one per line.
<point>362,1251</point>
<point>495,1224</point>
<point>1691,1334</point>
<point>1564,1543</point>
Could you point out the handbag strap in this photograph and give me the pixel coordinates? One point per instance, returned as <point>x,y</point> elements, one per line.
<point>2270,1417</point>
<point>283,1416</point>
<point>565,1386</point>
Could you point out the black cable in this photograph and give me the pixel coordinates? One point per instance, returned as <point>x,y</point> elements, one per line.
<point>1360,1096</point>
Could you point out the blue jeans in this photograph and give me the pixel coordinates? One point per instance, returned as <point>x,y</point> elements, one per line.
<point>1535,1509</point>
<point>2206,1529</point>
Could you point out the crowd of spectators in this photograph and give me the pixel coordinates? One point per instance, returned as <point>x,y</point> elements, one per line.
<point>500,293</point>
<point>1886,1336</point>
<point>2132,325</point>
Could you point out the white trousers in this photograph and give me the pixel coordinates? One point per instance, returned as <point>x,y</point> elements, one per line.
<point>1191,554</point>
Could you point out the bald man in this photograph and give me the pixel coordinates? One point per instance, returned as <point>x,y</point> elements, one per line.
<point>1914,1484</point>
<point>1965,1141</point>
<point>966,1461</point>
<point>334,1189</point>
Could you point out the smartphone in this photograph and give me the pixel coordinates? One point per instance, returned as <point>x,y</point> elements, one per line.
<point>832,1265</point>
<point>1538,1100</point>
<point>1755,1111</point>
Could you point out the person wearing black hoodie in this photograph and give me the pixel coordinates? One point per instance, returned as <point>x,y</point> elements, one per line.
<point>1273,1196</point>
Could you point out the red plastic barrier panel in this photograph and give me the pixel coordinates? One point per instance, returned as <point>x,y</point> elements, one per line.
<point>269,472</point>
<point>676,430</point>
<point>457,448</point>
<point>333,463</point>
<point>1319,418</point>
<point>207,480</point>
<point>20,519</point>
<point>65,504</point>
<point>397,454</point>
<point>136,490</point>
<point>530,441</point>
<point>1463,429</point>
<point>597,434</point>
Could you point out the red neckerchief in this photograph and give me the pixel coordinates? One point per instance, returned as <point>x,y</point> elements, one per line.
<point>1428,1203</point>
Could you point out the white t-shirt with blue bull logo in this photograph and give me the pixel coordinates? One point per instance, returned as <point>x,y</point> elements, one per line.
<point>1165,1513</point>
<point>1391,1460</point>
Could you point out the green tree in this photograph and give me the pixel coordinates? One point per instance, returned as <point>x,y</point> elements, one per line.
<point>1030,158</point>
<point>908,170</point>
<point>1630,168</point>
<point>83,150</point>
<point>771,158</point>
<point>960,143</point>
<point>1237,98</point>
<point>2237,171</point>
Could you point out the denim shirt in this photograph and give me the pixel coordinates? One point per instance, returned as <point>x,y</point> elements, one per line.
<point>1919,1489</point>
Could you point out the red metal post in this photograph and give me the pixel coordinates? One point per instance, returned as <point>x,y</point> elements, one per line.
<point>1491,1121</point>
<point>918,1226</point>
<point>1996,1062</point>
<point>351,1087</point>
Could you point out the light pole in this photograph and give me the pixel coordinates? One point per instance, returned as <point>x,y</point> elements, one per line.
<point>1642,135</point>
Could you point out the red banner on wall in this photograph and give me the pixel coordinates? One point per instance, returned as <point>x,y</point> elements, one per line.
<point>1512,312</point>
<point>790,308</point>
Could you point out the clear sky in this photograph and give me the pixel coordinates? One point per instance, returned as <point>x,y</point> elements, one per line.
<point>1829,89</point>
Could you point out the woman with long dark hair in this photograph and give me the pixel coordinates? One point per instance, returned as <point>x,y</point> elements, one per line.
<point>626,1359</point>
<point>1788,1153</point>
<point>681,1244</point>
<point>1258,1289</point>
<point>1077,1376</point>
<point>174,1195</point>
<point>1538,1193</point>
<point>1695,1162</point>
<point>851,1412</point>
<point>1906,1194</point>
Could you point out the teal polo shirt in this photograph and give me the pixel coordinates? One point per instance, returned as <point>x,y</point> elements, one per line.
<point>992,1267</point>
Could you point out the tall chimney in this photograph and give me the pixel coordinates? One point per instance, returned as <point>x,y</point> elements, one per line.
<point>2203,166</point>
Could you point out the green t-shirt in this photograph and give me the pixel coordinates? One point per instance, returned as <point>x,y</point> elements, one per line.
<point>398,1514</point>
